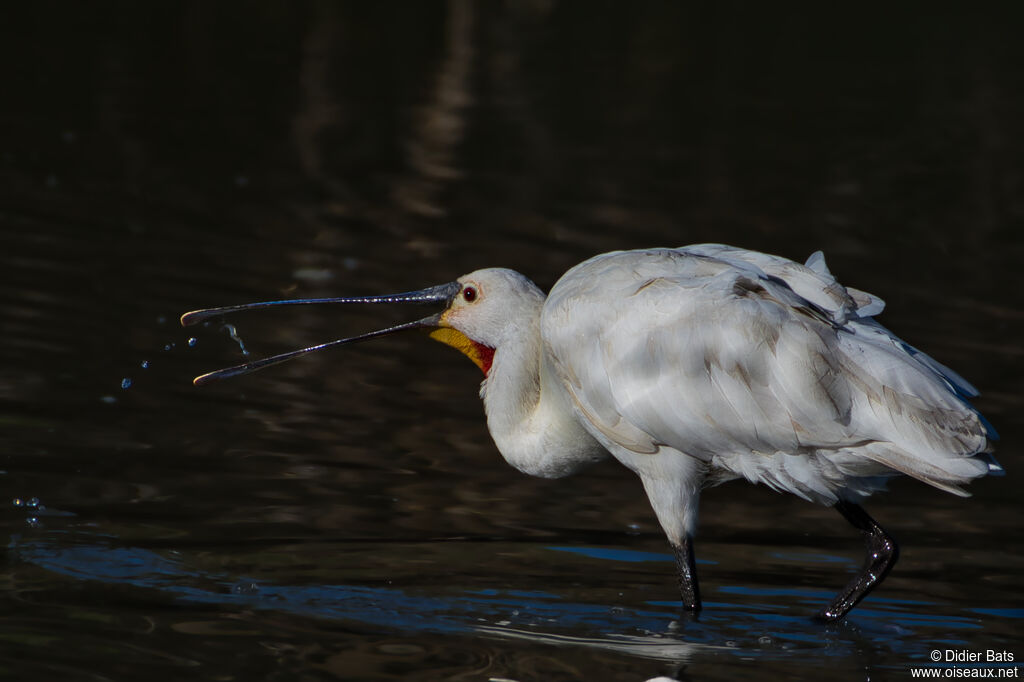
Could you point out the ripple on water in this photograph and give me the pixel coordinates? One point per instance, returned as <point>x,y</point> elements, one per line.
<point>760,623</point>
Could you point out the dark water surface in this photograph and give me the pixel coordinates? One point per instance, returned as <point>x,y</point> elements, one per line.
<point>346,516</point>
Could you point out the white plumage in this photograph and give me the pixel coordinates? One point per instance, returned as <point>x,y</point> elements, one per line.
<point>757,367</point>
<point>754,365</point>
<point>707,363</point>
<point>702,364</point>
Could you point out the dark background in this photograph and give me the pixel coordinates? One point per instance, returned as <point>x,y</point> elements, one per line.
<point>346,516</point>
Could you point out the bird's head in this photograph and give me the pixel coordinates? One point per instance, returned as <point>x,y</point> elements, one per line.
<point>490,305</point>
<point>480,312</point>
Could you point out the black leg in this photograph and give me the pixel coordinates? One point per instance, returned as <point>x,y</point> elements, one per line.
<point>687,565</point>
<point>881,557</point>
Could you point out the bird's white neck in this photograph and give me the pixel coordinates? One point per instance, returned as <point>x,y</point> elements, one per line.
<point>528,412</point>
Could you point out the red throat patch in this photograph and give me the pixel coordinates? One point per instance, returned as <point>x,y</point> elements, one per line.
<point>486,355</point>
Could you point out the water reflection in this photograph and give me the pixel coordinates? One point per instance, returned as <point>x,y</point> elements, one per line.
<point>749,623</point>
<point>347,516</point>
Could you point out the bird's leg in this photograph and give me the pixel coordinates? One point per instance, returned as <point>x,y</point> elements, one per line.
<point>881,557</point>
<point>687,565</point>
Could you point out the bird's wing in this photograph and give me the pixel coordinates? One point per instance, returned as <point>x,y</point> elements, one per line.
<point>812,281</point>
<point>667,347</point>
<point>713,356</point>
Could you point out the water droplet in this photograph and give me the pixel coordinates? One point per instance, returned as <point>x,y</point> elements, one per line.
<point>233,333</point>
<point>192,341</point>
<point>108,399</point>
<point>633,529</point>
<point>169,346</point>
<point>126,383</point>
<point>18,502</point>
<point>33,503</point>
<point>33,522</point>
<point>145,364</point>
<point>245,588</point>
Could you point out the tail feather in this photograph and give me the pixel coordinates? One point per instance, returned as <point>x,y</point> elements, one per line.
<point>947,474</point>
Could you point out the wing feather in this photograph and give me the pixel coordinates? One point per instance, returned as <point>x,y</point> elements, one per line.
<point>728,355</point>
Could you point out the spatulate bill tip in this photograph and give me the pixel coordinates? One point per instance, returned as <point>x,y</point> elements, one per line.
<point>204,379</point>
<point>190,318</point>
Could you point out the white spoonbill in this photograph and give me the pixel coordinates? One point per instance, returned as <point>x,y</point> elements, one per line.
<point>698,365</point>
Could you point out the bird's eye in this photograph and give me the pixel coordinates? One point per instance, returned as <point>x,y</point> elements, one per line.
<point>469,294</point>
